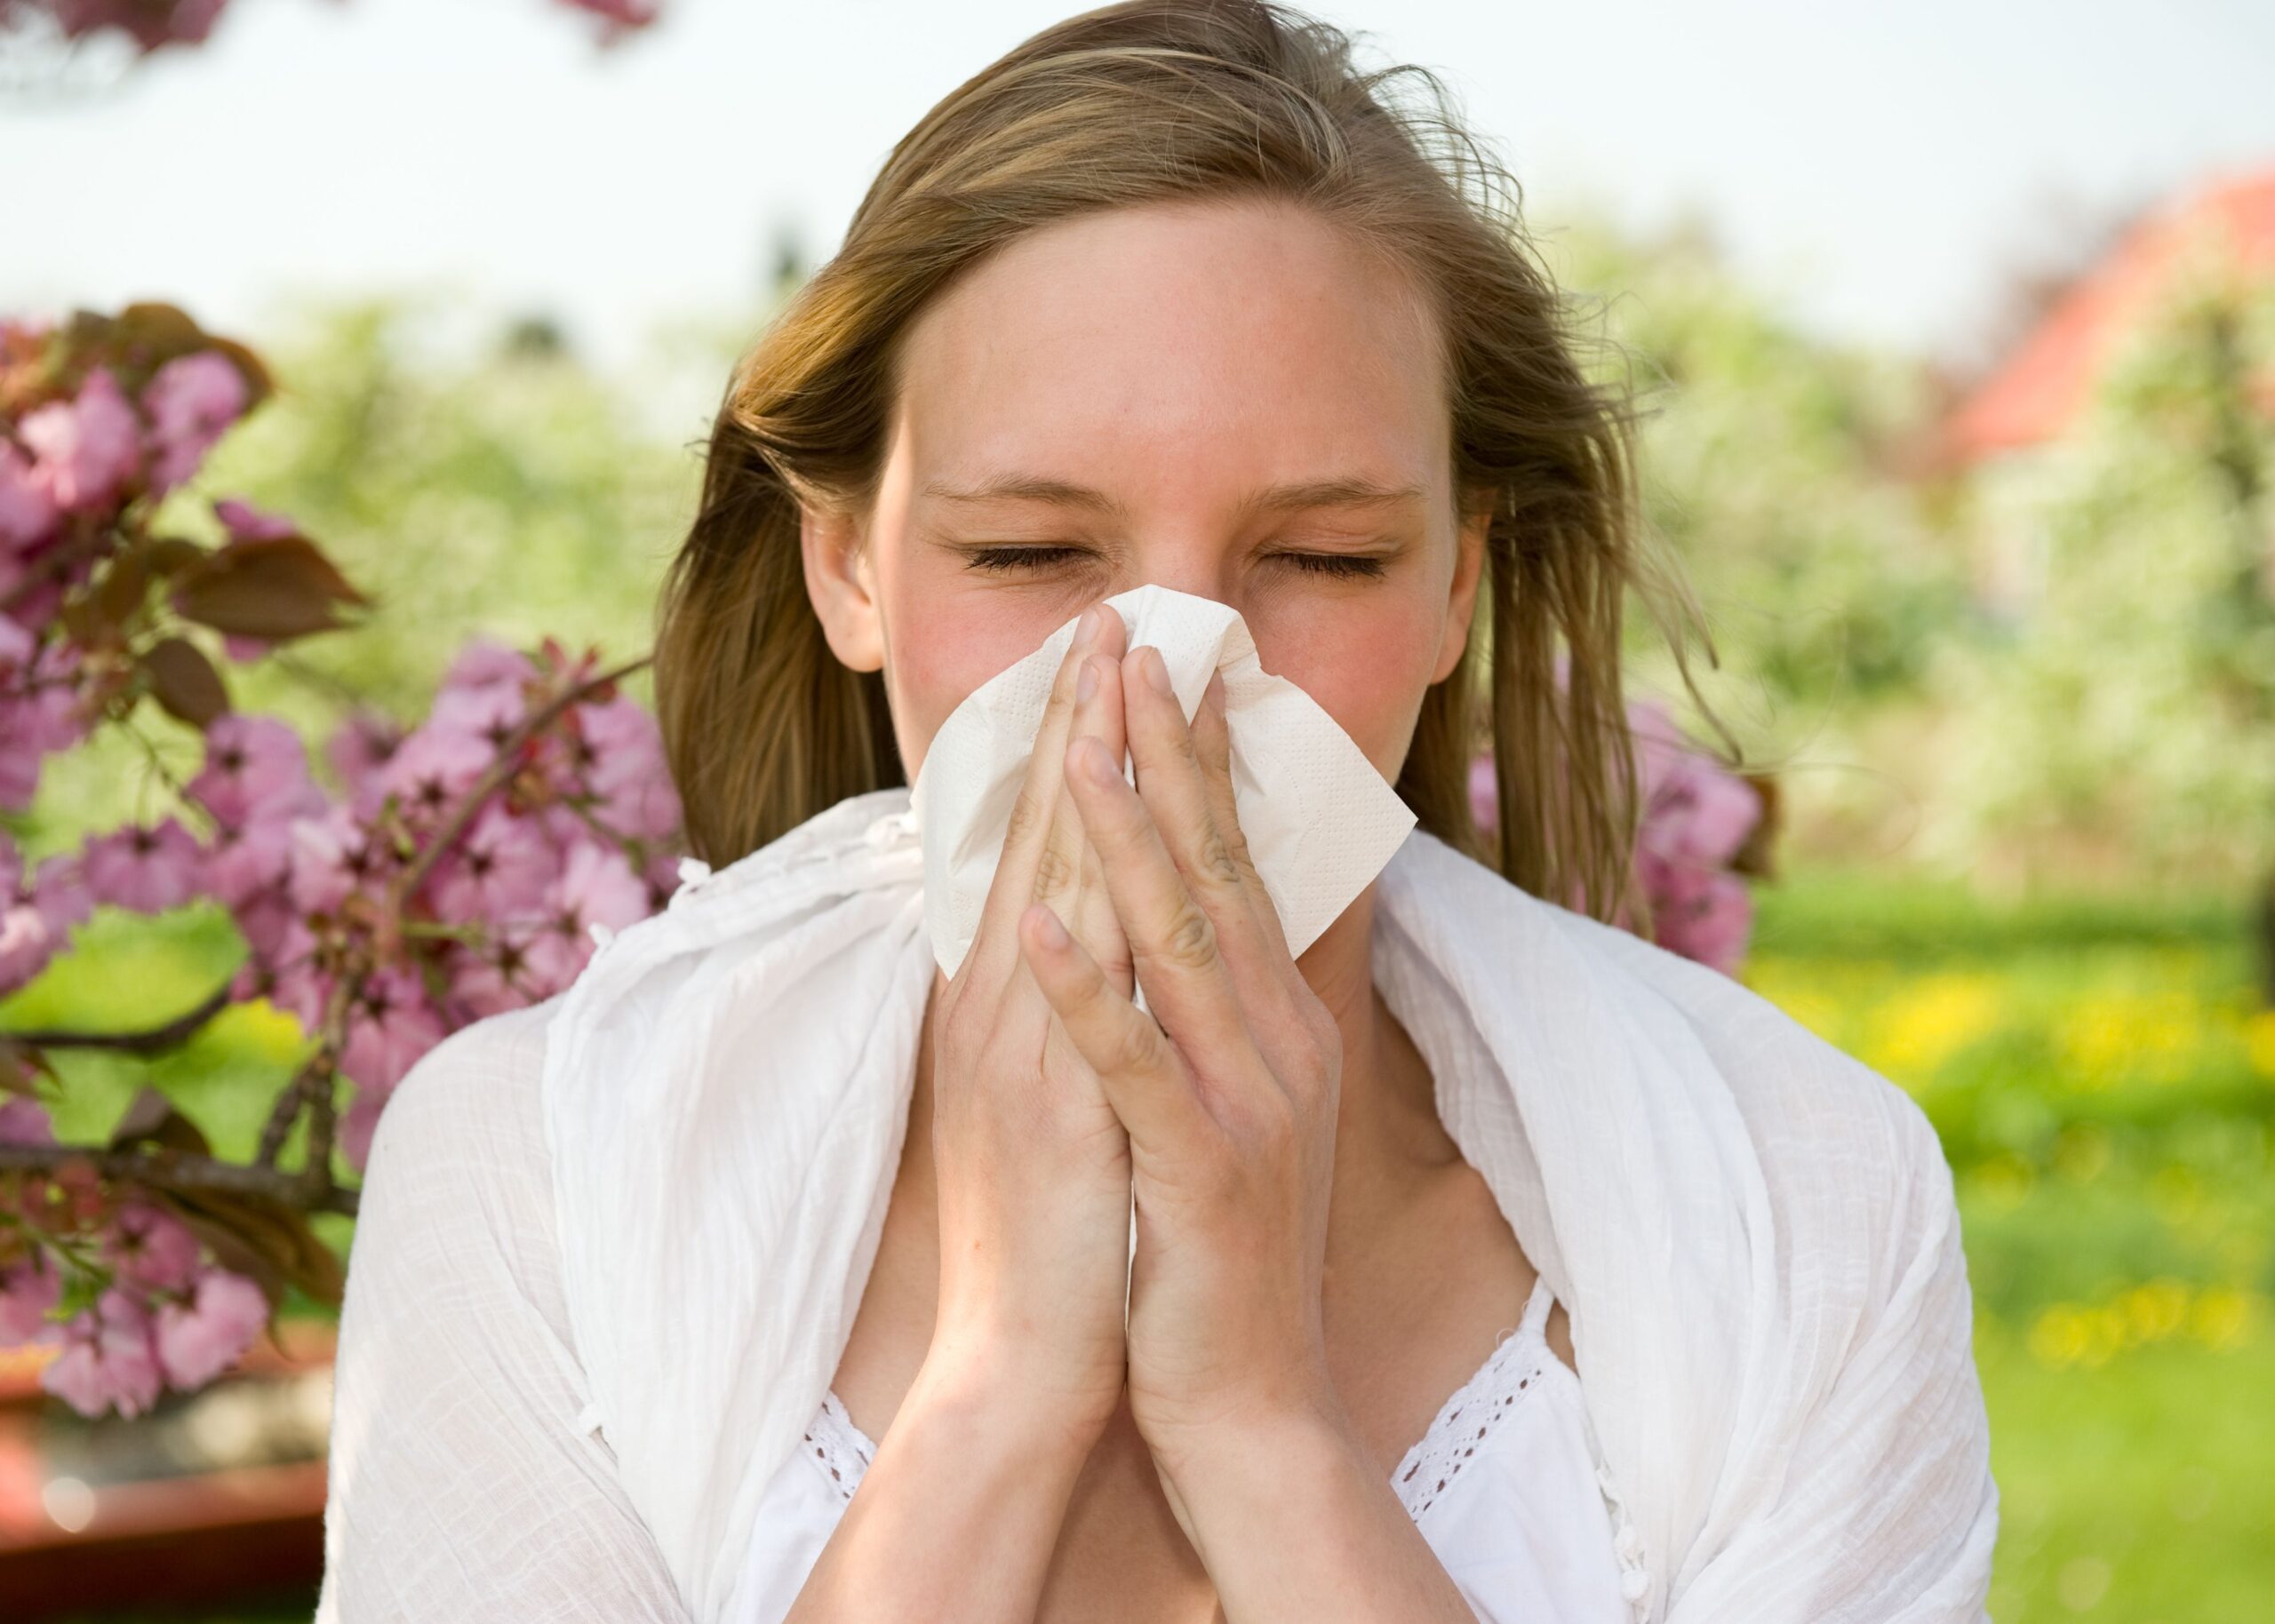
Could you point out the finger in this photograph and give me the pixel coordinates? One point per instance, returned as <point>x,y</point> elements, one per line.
<point>1143,1077</point>
<point>1173,786</point>
<point>1037,828</point>
<point>1093,922</point>
<point>1212,742</point>
<point>1173,942</point>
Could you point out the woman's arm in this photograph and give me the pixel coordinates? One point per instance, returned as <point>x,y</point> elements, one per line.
<point>957,1515</point>
<point>461,1485</point>
<point>1296,1522</point>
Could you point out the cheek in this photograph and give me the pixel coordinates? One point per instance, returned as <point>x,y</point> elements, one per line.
<point>1367,664</point>
<point>941,645</point>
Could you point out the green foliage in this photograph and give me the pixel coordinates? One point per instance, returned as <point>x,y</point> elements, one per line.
<point>2127,714</point>
<point>2105,1088</point>
<point>1771,463</point>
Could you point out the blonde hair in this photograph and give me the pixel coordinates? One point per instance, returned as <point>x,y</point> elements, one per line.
<point>1151,102</point>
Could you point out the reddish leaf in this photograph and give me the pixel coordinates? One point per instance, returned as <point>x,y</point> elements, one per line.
<point>184,681</point>
<point>276,588</point>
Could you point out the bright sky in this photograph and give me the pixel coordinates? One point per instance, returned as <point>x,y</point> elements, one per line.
<point>1878,167</point>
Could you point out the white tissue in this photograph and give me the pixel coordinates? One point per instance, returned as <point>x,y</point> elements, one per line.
<point>1320,821</point>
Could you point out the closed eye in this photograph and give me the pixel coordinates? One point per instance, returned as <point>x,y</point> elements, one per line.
<point>1003,560</point>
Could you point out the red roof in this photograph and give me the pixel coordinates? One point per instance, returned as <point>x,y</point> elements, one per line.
<point>2036,393</point>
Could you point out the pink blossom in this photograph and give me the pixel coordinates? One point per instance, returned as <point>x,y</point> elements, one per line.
<point>498,870</point>
<point>486,662</point>
<point>393,1024</point>
<point>26,1122</point>
<point>107,1359</point>
<point>198,1340</point>
<point>27,943</point>
<point>26,512</point>
<point>357,750</point>
<point>151,1247</point>
<point>29,1290</point>
<point>1484,793</point>
<point>1704,914</point>
<point>256,767</point>
<point>148,869</point>
<point>191,402</point>
<point>86,449</point>
<point>60,893</point>
<point>246,522</point>
<point>597,887</point>
<point>434,767</point>
<point>629,771</point>
<point>357,1124</point>
<point>333,856</point>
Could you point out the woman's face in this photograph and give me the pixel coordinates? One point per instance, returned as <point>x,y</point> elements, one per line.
<point>1232,401</point>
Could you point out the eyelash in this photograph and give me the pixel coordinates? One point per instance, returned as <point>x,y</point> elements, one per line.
<point>1342,565</point>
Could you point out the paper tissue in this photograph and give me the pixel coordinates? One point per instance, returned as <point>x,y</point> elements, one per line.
<point>1320,821</point>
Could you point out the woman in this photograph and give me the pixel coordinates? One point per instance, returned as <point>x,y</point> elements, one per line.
<point>772,1272</point>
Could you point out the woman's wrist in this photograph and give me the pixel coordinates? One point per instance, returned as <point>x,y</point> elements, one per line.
<point>987,1389</point>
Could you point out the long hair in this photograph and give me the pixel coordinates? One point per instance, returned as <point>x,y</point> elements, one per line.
<point>1148,102</point>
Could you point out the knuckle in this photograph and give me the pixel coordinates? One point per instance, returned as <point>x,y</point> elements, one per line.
<point>1026,806</point>
<point>1189,943</point>
<point>1216,862</point>
<point>1054,872</point>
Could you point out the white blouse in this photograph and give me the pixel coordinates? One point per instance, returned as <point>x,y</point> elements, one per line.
<point>584,1286</point>
<point>1503,1485</point>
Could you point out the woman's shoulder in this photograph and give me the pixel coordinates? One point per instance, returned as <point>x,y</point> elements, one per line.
<point>460,1148</point>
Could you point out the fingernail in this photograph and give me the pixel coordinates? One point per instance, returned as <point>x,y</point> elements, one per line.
<point>1087,628</point>
<point>1157,670</point>
<point>1053,933</point>
<point>1086,680</point>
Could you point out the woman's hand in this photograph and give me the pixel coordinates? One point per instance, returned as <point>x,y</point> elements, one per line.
<point>1033,1164</point>
<point>1230,1099</point>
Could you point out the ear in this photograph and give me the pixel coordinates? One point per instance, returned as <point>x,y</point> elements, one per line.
<point>1469,569</point>
<point>842,582</point>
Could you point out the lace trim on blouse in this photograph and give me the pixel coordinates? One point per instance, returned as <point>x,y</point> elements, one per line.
<point>1520,1363</point>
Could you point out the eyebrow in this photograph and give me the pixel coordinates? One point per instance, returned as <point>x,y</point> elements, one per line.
<point>1347,492</point>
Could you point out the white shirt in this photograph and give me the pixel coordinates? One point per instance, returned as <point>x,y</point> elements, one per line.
<point>1502,1485</point>
<point>596,1291</point>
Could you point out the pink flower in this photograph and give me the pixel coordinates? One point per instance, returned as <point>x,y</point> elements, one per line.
<point>1484,793</point>
<point>256,769</point>
<point>83,450</point>
<point>30,1291</point>
<point>25,1122</point>
<point>393,1024</point>
<point>333,856</point>
<point>1700,913</point>
<point>146,870</point>
<point>198,1340</point>
<point>27,943</point>
<point>357,750</point>
<point>26,512</point>
<point>628,772</point>
<point>357,1124</point>
<point>107,1359</point>
<point>498,870</point>
<point>191,401</point>
<point>434,767</point>
<point>246,522</point>
<point>597,887</point>
<point>151,1247</point>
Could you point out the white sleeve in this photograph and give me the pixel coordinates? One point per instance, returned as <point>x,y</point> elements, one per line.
<point>1887,1512</point>
<point>461,1486</point>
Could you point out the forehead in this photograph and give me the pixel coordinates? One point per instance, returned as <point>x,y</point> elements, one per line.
<point>1191,337</point>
